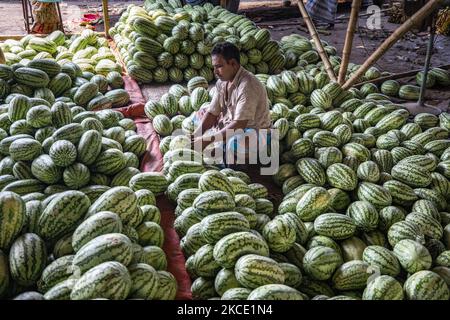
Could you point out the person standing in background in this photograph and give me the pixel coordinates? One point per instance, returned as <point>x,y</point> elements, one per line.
<point>46,19</point>
<point>323,12</point>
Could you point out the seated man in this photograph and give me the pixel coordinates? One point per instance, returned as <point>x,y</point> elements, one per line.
<point>239,108</point>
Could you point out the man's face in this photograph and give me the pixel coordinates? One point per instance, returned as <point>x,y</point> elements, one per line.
<point>224,70</point>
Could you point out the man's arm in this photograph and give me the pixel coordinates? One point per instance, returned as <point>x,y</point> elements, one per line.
<point>208,122</point>
<point>221,135</point>
<point>211,115</point>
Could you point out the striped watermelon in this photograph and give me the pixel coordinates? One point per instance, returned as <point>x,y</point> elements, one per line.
<point>364,214</point>
<point>279,234</point>
<point>153,181</point>
<point>320,262</point>
<point>214,201</point>
<point>253,271</point>
<point>215,180</point>
<point>383,288</point>
<point>411,174</point>
<point>404,230</point>
<point>383,259</point>
<point>374,194</point>
<point>60,291</point>
<point>110,280</point>
<point>32,77</point>
<point>311,171</point>
<point>108,247</point>
<point>27,259</point>
<point>120,200</point>
<point>150,234</point>
<point>25,149</point>
<point>18,107</point>
<point>352,275</point>
<point>216,226</point>
<point>335,226</point>
<point>56,272</point>
<point>426,285</point>
<point>109,162</point>
<point>44,169</point>
<point>231,247</point>
<point>63,153</point>
<point>412,256</point>
<point>342,177</point>
<point>313,203</point>
<point>62,214</point>
<point>76,176</point>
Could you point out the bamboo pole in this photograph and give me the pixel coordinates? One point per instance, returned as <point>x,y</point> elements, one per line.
<point>2,57</point>
<point>424,12</point>
<point>316,38</point>
<point>427,62</point>
<point>356,5</point>
<point>106,17</point>
<point>396,76</point>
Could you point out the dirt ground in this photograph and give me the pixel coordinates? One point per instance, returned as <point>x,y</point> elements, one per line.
<point>406,55</point>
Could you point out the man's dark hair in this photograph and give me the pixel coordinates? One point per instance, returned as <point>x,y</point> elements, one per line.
<point>227,50</point>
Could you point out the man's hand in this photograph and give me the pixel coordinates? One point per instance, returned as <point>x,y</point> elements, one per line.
<point>218,136</point>
<point>208,121</point>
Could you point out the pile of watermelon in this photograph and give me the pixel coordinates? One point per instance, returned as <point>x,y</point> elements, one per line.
<point>366,185</point>
<point>175,109</point>
<point>43,82</point>
<point>366,190</point>
<point>371,184</point>
<point>78,219</point>
<point>225,223</point>
<point>88,50</point>
<point>301,54</point>
<point>165,41</point>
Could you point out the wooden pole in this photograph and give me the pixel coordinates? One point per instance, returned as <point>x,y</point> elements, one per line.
<point>106,17</point>
<point>424,12</point>
<point>313,32</point>
<point>2,57</point>
<point>223,3</point>
<point>398,76</point>
<point>427,62</point>
<point>356,5</point>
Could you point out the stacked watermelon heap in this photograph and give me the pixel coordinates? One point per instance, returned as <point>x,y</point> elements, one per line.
<point>78,218</point>
<point>42,82</point>
<point>301,54</point>
<point>166,41</point>
<point>373,186</point>
<point>367,183</point>
<point>343,219</point>
<point>88,50</point>
<point>229,233</point>
<point>175,109</point>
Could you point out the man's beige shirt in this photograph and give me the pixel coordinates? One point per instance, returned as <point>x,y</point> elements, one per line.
<point>246,100</point>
